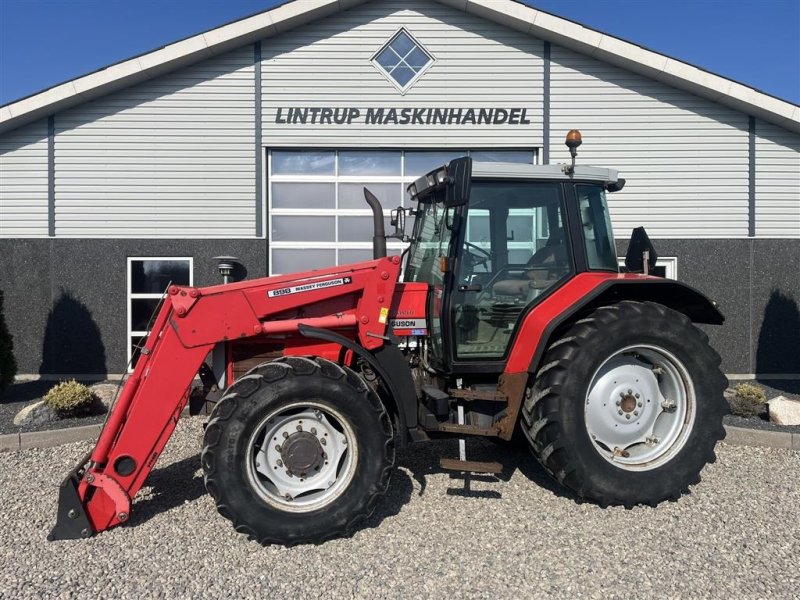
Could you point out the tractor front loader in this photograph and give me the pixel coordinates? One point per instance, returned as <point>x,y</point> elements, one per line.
<point>512,318</point>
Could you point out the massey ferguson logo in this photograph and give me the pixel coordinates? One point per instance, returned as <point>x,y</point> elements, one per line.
<point>310,287</point>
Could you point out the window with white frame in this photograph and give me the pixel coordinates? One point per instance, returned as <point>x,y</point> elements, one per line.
<point>148,278</point>
<point>402,60</point>
<point>317,213</point>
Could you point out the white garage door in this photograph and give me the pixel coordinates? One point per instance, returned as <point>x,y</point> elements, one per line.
<point>317,213</point>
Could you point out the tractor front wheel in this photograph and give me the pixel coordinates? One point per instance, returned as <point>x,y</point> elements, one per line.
<point>299,450</point>
<point>627,406</point>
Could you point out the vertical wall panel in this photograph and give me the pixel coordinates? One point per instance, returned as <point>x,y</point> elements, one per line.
<point>777,181</point>
<point>327,64</point>
<point>171,157</point>
<point>23,181</point>
<point>685,158</point>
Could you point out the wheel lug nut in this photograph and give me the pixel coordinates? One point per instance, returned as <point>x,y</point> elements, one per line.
<point>636,413</point>
<point>622,394</point>
<point>618,402</point>
<point>278,447</point>
<point>619,411</point>
<point>285,434</point>
<point>323,442</point>
<point>630,391</point>
<point>639,404</point>
<point>627,416</point>
<point>280,462</point>
<point>314,431</point>
<point>299,428</point>
<point>636,396</point>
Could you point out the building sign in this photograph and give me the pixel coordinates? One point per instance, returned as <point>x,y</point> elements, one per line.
<point>317,115</point>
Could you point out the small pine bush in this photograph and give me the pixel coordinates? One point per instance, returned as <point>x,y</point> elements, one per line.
<point>748,400</point>
<point>8,365</point>
<point>70,398</point>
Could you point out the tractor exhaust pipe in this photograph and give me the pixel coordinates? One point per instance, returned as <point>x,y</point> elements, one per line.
<point>378,231</point>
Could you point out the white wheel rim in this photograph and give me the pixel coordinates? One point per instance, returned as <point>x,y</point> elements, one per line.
<point>301,457</point>
<point>640,408</point>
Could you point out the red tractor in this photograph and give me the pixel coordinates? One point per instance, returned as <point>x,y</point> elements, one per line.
<point>511,319</point>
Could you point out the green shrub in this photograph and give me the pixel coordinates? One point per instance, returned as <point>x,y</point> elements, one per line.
<point>70,398</point>
<point>748,400</point>
<point>8,366</point>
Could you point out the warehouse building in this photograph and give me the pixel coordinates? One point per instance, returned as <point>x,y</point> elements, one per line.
<point>255,139</point>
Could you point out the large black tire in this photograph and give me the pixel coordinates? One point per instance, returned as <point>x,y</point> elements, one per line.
<point>554,418</point>
<point>268,388</point>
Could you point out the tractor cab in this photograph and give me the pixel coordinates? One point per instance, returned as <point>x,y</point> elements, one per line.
<point>493,240</point>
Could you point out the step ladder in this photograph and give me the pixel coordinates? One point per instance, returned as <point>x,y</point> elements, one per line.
<point>462,464</point>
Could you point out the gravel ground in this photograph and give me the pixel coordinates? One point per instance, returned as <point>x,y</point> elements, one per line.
<point>737,535</point>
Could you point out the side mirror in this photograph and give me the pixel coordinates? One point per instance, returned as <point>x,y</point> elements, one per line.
<point>459,172</point>
<point>398,221</point>
<point>640,247</point>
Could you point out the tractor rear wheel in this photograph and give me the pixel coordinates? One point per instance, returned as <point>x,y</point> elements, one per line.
<point>299,450</point>
<point>627,406</point>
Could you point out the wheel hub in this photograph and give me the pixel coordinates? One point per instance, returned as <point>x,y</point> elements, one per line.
<point>628,403</point>
<point>302,452</point>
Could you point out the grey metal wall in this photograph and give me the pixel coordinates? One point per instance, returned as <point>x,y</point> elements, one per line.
<point>478,64</point>
<point>23,182</point>
<point>685,158</point>
<point>168,158</point>
<point>777,183</point>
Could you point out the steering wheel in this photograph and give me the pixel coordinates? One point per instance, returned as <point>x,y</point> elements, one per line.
<point>487,256</point>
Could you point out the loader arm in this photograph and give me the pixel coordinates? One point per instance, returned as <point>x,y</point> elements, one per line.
<point>353,299</point>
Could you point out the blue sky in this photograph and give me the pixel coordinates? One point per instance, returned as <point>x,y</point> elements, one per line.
<point>44,42</point>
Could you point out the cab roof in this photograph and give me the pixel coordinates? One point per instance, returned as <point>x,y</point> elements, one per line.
<point>548,172</point>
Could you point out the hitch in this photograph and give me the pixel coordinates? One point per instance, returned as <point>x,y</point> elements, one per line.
<point>72,522</point>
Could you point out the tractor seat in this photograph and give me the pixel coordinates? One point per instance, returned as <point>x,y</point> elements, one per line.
<point>554,254</point>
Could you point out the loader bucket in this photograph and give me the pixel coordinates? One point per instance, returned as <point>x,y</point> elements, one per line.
<point>72,523</point>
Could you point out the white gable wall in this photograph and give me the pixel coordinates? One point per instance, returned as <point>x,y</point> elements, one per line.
<point>23,181</point>
<point>175,157</point>
<point>478,64</point>
<point>171,157</point>
<point>685,158</point>
<point>777,181</point>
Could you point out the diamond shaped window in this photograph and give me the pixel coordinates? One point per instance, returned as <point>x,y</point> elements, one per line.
<point>402,60</point>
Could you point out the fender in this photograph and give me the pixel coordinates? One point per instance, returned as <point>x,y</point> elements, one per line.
<point>388,363</point>
<point>587,291</point>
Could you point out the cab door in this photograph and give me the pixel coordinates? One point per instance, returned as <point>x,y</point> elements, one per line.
<point>513,252</point>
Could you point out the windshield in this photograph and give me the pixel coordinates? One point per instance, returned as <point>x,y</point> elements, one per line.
<point>429,243</point>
